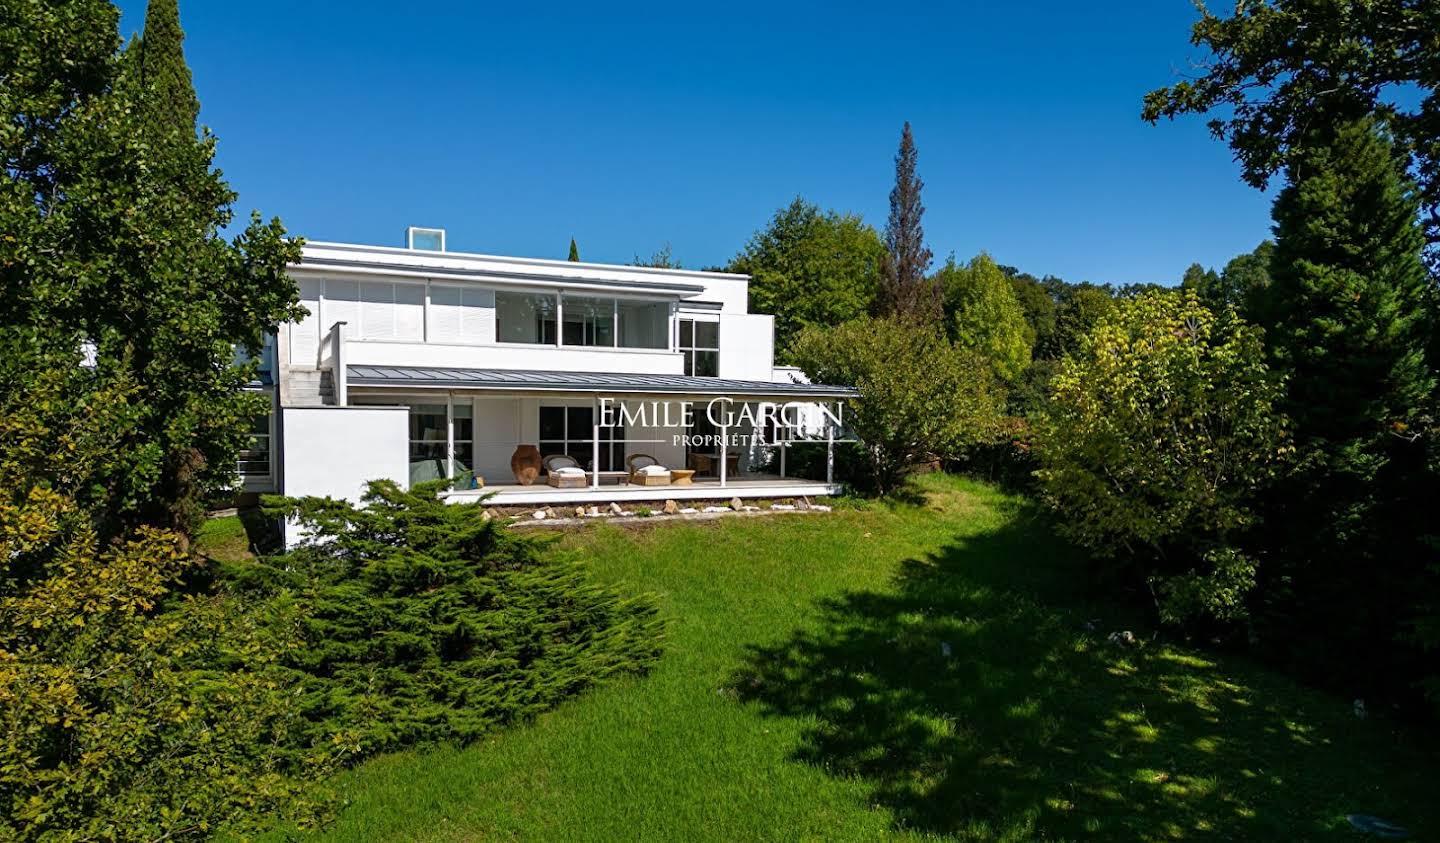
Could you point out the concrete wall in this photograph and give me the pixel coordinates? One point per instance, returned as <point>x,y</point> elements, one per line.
<point>335,451</point>
<point>747,346</point>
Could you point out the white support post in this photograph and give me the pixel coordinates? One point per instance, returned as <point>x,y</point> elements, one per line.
<point>450,435</point>
<point>783,444</point>
<point>595,455</point>
<point>724,451</point>
<point>829,453</point>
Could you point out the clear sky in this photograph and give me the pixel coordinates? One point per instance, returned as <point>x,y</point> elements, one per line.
<point>518,125</point>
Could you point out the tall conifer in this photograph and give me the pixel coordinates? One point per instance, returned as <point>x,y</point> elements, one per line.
<point>905,289</point>
<point>574,252</point>
<point>1348,318</point>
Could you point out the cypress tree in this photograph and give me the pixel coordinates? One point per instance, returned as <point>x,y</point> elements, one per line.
<point>574,252</point>
<point>168,100</point>
<point>1348,318</point>
<point>905,289</point>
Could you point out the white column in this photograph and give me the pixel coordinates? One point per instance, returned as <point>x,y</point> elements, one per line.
<point>829,453</point>
<point>783,446</point>
<point>450,435</point>
<point>595,455</point>
<point>724,448</point>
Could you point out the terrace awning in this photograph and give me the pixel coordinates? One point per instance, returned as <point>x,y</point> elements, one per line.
<point>417,377</point>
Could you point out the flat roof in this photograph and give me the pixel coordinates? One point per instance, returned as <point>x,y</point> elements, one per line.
<point>590,382</point>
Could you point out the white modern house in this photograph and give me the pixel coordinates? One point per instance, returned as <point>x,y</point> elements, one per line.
<point>631,383</point>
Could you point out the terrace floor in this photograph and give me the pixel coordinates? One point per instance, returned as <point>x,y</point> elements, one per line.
<point>701,488</point>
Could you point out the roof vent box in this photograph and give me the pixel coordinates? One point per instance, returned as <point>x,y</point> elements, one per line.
<point>425,239</point>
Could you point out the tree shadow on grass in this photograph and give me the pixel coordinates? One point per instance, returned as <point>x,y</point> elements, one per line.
<point>973,700</point>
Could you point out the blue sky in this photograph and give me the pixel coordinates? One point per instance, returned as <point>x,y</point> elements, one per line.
<point>516,126</point>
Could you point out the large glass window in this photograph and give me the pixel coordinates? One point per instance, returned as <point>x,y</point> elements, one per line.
<point>255,458</point>
<point>429,459</point>
<point>428,442</point>
<point>700,343</point>
<point>644,324</point>
<point>525,317</point>
<point>570,431</point>
<point>589,321</point>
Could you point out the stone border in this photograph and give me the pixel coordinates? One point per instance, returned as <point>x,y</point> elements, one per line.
<point>641,513</point>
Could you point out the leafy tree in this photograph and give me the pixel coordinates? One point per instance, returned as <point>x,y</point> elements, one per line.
<point>113,222</point>
<point>1160,429</point>
<point>1080,308</point>
<point>922,399</point>
<point>1245,278</point>
<point>127,710</point>
<point>985,315</point>
<point>811,268</point>
<point>1278,68</point>
<point>574,252</point>
<point>428,622</point>
<point>1205,282</point>
<point>1038,304</point>
<point>905,289</point>
<point>663,259</point>
<point>1348,314</point>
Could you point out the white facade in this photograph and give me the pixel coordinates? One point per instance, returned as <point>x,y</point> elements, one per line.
<point>415,364</point>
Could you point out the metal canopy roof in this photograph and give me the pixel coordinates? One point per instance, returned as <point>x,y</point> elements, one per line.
<point>505,379</point>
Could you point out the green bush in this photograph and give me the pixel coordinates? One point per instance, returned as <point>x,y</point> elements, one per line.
<point>128,709</point>
<point>922,399</point>
<point>426,621</point>
<point>1159,433</point>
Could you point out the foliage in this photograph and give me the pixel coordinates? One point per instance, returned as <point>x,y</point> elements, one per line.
<point>1080,309</point>
<point>429,622</point>
<point>985,315</point>
<point>1038,304</point>
<point>809,267</point>
<point>922,399</point>
<point>574,256</point>
<point>1159,432</point>
<point>128,710</point>
<point>1278,68</point>
<point>905,290</point>
<point>113,222</point>
<point>663,259</point>
<point>1349,316</point>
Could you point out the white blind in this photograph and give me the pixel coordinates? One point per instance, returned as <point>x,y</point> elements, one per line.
<point>305,334</point>
<point>377,311</point>
<point>461,314</point>
<point>410,312</point>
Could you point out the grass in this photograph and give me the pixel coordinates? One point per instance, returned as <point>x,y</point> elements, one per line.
<point>924,670</point>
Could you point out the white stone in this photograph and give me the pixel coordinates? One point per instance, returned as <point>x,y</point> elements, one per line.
<point>819,507</point>
<point>716,509</point>
<point>688,510</point>
<point>539,515</point>
<point>783,507</point>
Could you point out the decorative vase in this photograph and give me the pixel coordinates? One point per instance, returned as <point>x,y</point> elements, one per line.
<point>525,462</point>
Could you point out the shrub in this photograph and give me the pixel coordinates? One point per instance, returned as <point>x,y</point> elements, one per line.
<point>922,399</point>
<point>128,710</point>
<point>1159,433</point>
<point>427,621</point>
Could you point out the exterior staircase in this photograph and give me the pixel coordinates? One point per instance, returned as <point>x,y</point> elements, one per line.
<point>307,388</point>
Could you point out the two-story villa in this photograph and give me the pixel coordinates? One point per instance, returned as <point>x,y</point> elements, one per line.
<point>418,363</point>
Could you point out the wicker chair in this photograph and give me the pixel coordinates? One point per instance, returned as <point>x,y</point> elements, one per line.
<point>635,462</point>
<point>565,480</point>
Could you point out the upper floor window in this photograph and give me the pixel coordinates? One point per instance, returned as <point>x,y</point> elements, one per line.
<point>584,321</point>
<point>700,343</point>
<point>525,317</point>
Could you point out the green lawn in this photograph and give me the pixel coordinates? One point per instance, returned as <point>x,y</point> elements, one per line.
<point>923,670</point>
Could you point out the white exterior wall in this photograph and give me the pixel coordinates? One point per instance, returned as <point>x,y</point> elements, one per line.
<point>335,451</point>
<point>747,346</point>
<point>515,356</point>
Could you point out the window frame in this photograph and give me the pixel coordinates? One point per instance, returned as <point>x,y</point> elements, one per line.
<point>689,350</point>
<point>611,436</point>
